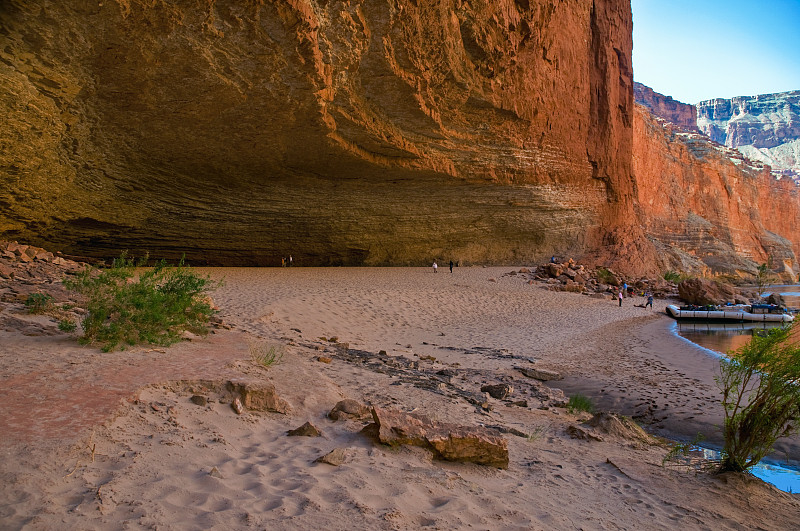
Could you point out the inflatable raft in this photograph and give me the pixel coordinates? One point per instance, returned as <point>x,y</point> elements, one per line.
<point>754,312</point>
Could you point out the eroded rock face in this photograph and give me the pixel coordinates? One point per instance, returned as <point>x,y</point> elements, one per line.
<point>683,115</point>
<point>709,210</point>
<point>384,132</point>
<point>765,128</point>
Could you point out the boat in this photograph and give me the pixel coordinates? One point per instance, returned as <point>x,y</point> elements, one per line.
<point>736,313</point>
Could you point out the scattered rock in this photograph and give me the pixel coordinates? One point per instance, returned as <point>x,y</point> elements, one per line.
<point>199,400</point>
<point>335,457</point>
<point>618,426</point>
<point>258,396</point>
<point>349,409</point>
<point>215,473</point>
<point>324,359</point>
<point>543,375</point>
<point>237,406</point>
<point>498,391</point>
<point>576,432</point>
<point>306,430</point>
<point>450,442</point>
<point>701,292</point>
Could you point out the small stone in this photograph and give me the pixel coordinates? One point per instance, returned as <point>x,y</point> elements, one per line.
<point>335,457</point>
<point>324,359</point>
<point>237,406</point>
<point>215,473</point>
<point>306,430</point>
<point>349,408</point>
<point>498,391</point>
<point>199,400</point>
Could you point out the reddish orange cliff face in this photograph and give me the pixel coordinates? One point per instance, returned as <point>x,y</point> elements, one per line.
<point>342,132</point>
<point>707,208</point>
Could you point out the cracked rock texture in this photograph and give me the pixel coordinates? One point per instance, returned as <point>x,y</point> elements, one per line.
<point>341,132</point>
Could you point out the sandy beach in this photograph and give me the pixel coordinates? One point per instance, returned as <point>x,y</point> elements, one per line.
<point>98,440</point>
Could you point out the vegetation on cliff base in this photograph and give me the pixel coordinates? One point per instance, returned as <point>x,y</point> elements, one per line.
<point>156,307</point>
<point>760,384</point>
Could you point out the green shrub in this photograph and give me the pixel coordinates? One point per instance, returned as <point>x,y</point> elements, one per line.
<point>266,354</point>
<point>606,277</point>
<point>674,276</point>
<point>760,396</point>
<point>578,403</point>
<point>67,325</point>
<point>155,307</point>
<point>39,302</point>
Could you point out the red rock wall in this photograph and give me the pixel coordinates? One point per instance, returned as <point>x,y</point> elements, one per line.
<point>708,209</point>
<point>680,114</point>
<point>348,132</point>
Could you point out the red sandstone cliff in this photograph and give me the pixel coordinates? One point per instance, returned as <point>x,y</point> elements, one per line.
<point>682,115</point>
<point>343,132</point>
<point>707,208</point>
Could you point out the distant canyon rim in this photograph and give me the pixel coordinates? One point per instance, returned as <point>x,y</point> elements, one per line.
<point>369,133</point>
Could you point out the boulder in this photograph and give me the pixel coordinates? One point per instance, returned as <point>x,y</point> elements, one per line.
<point>448,441</point>
<point>776,299</point>
<point>702,291</point>
<point>498,391</point>
<point>258,396</point>
<point>349,409</point>
<point>335,457</point>
<point>543,375</point>
<point>306,430</point>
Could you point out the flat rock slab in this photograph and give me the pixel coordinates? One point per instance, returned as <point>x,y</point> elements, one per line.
<point>544,375</point>
<point>451,442</point>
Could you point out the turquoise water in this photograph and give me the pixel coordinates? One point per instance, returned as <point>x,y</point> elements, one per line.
<point>725,337</point>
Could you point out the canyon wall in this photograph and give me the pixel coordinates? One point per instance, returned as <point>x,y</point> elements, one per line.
<point>680,114</point>
<point>707,208</point>
<point>345,132</point>
<point>765,128</point>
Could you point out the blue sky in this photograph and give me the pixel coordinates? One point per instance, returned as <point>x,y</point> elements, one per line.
<point>699,50</point>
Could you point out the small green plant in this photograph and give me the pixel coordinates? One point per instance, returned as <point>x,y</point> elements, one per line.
<point>578,403</point>
<point>760,397</point>
<point>266,354</point>
<point>764,277</point>
<point>39,303</point>
<point>606,277</point>
<point>67,325</point>
<point>674,276</point>
<point>156,306</point>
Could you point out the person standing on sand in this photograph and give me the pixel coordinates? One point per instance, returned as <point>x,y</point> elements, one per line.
<point>625,289</point>
<point>649,301</point>
<point>435,267</point>
<point>451,266</point>
<point>620,298</point>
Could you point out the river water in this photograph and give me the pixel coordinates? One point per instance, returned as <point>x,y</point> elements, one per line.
<point>725,337</point>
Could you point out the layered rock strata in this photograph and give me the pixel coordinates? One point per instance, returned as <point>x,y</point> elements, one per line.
<point>682,115</point>
<point>707,208</point>
<point>341,132</point>
<point>765,128</point>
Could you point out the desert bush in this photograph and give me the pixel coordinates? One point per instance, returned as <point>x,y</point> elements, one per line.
<point>39,303</point>
<point>764,277</point>
<point>155,306</point>
<point>578,403</point>
<point>266,354</point>
<point>674,276</point>
<point>760,397</point>
<point>67,325</point>
<point>606,277</point>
